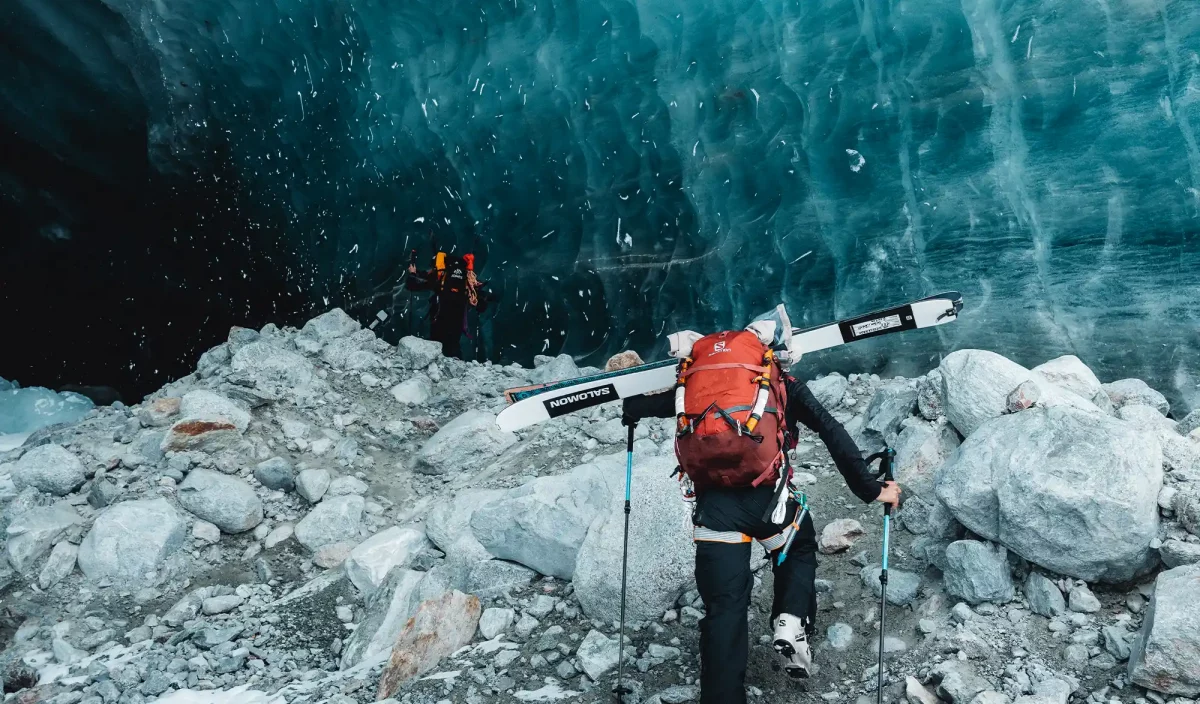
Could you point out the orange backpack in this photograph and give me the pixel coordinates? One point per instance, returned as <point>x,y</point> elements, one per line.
<point>730,404</point>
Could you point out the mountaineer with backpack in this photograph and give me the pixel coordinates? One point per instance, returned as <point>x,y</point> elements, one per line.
<point>736,412</point>
<point>455,291</point>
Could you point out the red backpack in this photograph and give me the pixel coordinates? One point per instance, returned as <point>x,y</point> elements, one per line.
<point>730,403</point>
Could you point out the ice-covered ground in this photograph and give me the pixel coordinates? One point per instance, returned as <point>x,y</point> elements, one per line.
<point>22,411</point>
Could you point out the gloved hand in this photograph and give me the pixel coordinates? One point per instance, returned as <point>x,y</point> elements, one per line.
<point>628,418</point>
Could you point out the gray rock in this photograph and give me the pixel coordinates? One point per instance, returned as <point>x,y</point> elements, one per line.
<point>413,391</point>
<point>839,535</point>
<point>1176,552</point>
<point>330,326</point>
<point>221,604</point>
<point>829,390</point>
<point>416,353</point>
<point>227,502</point>
<point>272,367</point>
<point>311,484</point>
<point>104,491</point>
<point>345,485</point>
<point>492,578</point>
<point>892,403</point>
<point>1166,655</point>
<point>207,405</point>
<point>276,474</point>
<point>559,368</point>
<point>349,353</point>
<point>1044,596</point>
<point>1131,392</point>
<point>978,572</point>
<point>49,468</point>
<point>1189,423</point>
<point>469,441</point>
<point>493,622</point>
<point>334,520</point>
<point>679,693</point>
<point>902,586</point>
<point>60,564</point>
<point>1075,654</point>
<point>976,385</point>
<point>920,450</point>
<point>386,612</point>
<point>1002,485</point>
<point>1116,641</point>
<point>543,523</point>
<point>840,635</point>
<point>449,525</point>
<point>371,560</point>
<point>597,654</point>
<point>130,540</point>
<point>33,533</point>
<point>565,670</point>
<point>1187,508</point>
<point>661,557</point>
<point>213,360</point>
<point>930,402</point>
<point>1081,600</point>
<point>958,682</point>
<point>1070,373</point>
<point>526,625</point>
<point>929,517</point>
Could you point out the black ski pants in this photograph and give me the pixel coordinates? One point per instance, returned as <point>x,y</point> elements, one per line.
<point>724,580</point>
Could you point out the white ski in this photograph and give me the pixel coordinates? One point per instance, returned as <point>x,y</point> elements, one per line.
<point>531,405</point>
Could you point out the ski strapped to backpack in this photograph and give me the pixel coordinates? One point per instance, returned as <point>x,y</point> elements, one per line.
<point>530,405</point>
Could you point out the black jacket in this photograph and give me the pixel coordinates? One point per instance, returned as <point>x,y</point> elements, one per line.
<point>802,407</point>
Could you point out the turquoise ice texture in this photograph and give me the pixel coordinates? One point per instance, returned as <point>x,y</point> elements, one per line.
<point>628,168</point>
<point>22,411</point>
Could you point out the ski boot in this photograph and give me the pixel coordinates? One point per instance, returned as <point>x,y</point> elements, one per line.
<point>791,641</point>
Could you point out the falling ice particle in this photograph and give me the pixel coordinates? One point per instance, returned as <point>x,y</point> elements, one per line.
<point>755,96</point>
<point>354,249</point>
<point>420,219</point>
<point>856,160</point>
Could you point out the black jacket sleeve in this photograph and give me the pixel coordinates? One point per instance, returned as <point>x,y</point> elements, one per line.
<point>661,405</point>
<point>420,281</point>
<point>803,407</point>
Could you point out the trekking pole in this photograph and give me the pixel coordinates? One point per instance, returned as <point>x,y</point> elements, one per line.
<point>621,689</point>
<point>885,470</point>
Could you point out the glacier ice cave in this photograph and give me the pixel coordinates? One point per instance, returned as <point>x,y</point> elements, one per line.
<point>621,168</point>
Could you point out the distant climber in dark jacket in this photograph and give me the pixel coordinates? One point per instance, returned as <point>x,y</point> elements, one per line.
<point>455,291</point>
<point>734,516</point>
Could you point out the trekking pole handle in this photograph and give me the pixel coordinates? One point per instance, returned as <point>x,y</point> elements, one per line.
<point>885,457</point>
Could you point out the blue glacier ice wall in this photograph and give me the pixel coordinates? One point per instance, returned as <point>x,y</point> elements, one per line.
<point>625,168</point>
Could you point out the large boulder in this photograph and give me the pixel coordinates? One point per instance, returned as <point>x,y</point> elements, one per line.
<point>334,520</point>
<point>1029,481</point>
<point>892,403</point>
<point>1132,392</point>
<point>416,353</point>
<point>270,366</point>
<point>49,468</point>
<point>330,326</point>
<point>1166,655</point>
<point>1044,596</point>
<point>542,524</point>
<point>931,400</point>
<point>227,502</point>
<point>976,385</point>
<point>449,525</point>
<point>1180,454</point>
<point>920,450</point>
<point>1187,507</point>
<point>661,554</point>
<point>130,540</point>
<point>1070,373</point>
<point>467,442</point>
<point>371,560</point>
<point>829,390</point>
<point>559,368</point>
<point>207,405</point>
<point>31,534</point>
<point>440,627</point>
<point>388,608</point>
<point>977,572</point>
